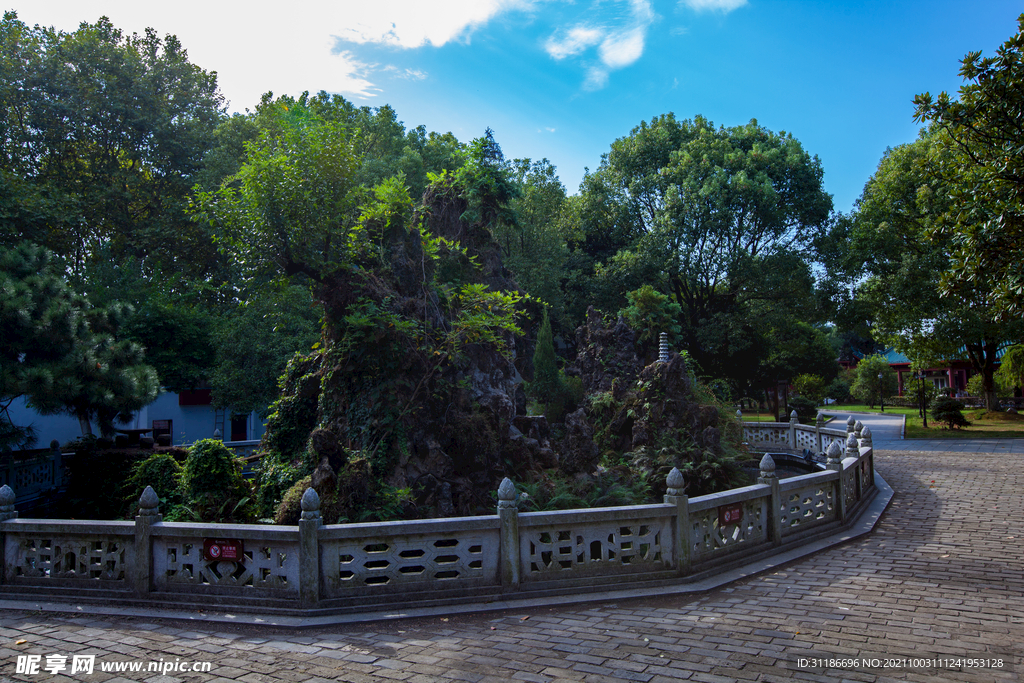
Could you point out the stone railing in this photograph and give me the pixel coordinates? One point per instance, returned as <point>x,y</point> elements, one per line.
<point>312,568</point>
<point>794,436</point>
<point>33,476</point>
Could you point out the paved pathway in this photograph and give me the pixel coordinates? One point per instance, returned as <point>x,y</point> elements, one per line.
<point>941,577</point>
<point>886,433</point>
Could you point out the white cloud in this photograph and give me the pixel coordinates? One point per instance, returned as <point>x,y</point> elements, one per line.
<point>415,23</point>
<point>407,74</point>
<point>618,30</point>
<point>573,42</point>
<point>251,51</point>
<point>597,78</point>
<point>622,49</point>
<point>713,5</point>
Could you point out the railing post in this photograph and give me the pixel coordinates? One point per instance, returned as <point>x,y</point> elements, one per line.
<point>7,512</point>
<point>851,424</point>
<point>508,520</point>
<point>676,495</point>
<point>149,514</point>
<point>858,427</point>
<point>743,425</point>
<point>58,465</point>
<point>309,549</point>
<point>774,501</point>
<point>819,424</point>
<point>794,420</point>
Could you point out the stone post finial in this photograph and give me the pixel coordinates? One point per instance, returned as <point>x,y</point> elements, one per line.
<point>857,428</point>
<point>7,510</point>
<point>850,423</point>
<point>310,504</point>
<point>819,421</point>
<point>834,455</point>
<point>676,483</point>
<point>739,414</point>
<point>852,446</point>
<point>506,493</point>
<point>149,503</point>
<point>663,348</point>
<point>767,469</point>
<point>865,435</point>
<point>55,445</point>
<point>793,417</point>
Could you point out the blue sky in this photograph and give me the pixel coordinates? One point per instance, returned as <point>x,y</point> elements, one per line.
<point>562,79</point>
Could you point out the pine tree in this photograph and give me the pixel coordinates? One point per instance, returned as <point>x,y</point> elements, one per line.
<point>546,386</point>
<point>60,352</point>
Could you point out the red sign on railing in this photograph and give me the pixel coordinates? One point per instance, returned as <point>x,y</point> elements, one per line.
<point>730,514</point>
<point>227,549</point>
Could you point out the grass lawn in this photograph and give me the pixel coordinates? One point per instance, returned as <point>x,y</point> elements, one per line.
<point>984,424</point>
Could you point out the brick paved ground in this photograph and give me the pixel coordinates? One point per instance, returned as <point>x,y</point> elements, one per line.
<point>940,577</point>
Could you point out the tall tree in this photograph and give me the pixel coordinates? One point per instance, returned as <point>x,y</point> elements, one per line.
<point>719,218</point>
<point>985,224</point>
<point>101,136</point>
<point>894,242</point>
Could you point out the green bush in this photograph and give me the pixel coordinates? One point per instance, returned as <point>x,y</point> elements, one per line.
<point>163,473</point>
<point>212,483</point>
<point>805,408</point>
<point>950,412</point>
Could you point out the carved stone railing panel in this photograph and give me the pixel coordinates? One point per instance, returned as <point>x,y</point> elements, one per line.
<point>710,539</point>
<point>588,548</point>
<point>422,562</point>
<point>867,479</point>
<point>767,434</point>
<point>850,486</point>
<point>808,506</point>
<point>68,559</point>
<point>806,438</point>
<point>268,568</point>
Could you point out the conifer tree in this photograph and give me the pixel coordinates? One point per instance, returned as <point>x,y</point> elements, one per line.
<point>545,365</point>
<point>61,353</point>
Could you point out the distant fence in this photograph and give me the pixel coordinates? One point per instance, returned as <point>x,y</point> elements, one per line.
<point>35,475</point>
<point>314,569</point>
<point>796,437</point>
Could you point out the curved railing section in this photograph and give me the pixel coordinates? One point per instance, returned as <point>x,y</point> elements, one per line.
<point>316,568</point>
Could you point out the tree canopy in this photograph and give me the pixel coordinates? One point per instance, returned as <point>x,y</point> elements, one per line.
<point>985,166</point>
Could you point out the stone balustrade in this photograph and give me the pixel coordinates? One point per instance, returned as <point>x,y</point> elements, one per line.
<point>792,435</point>
<point>314,568</point>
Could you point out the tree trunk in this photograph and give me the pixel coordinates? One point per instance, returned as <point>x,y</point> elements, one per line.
<point>86,425</point>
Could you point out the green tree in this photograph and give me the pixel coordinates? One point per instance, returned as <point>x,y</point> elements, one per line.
<point>101,137</point>
<point>59,352</point>
<point>895,244</point>
<point>718,218</point>
<point>1011,367</point>
<point>949,411</point>
<point>810,386</point>
<point>867,386</point>
<point>254,344</point>
<point>545,385</point>
<point>985,170</point>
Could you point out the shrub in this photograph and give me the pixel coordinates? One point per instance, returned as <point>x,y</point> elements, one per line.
<point>212,483</point>
<point>838,390</point>
<point>805,408</point>
<point>163,473</point>
<point>811,387</point>
<point>949,411</point>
